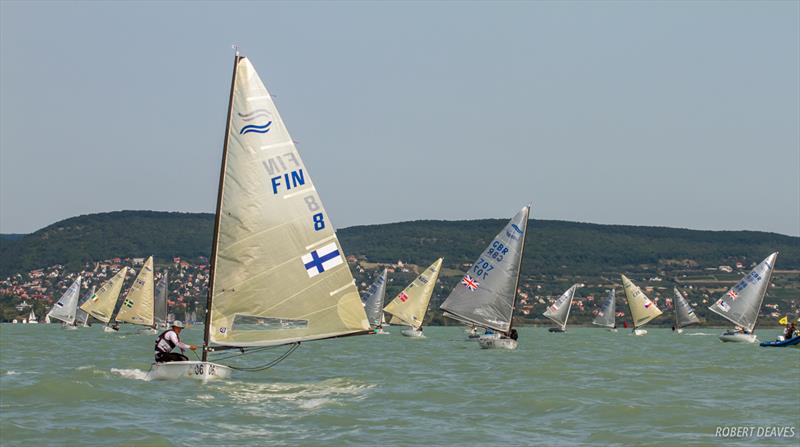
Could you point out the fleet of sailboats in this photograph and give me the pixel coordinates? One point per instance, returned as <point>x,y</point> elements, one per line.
<point>409,306</point>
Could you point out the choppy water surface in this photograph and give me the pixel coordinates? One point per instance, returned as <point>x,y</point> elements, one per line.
<point>585,387</point>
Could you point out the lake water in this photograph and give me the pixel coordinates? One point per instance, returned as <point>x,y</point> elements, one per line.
<point>585,387</point>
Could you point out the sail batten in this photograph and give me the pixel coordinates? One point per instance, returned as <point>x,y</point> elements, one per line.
<point>410,305</point>
<point>102,303</point>
<point>487,293</point>
<point>742,303</point>
<point>279,274</point>
<point>643,310</point>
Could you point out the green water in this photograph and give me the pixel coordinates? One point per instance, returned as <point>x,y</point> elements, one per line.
<point>585,387</point>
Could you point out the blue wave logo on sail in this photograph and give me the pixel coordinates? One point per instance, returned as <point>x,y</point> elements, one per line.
<point>513,236</point>
<point>256,127</point>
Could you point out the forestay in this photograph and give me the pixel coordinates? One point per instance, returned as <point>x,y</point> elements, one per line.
<point>410,305</point>
<point>279,274</point>
<point>101,304</point>
<point>66,307</point>
<point>160,306</point>
<point>137,307</point>
<point>558,312</point>
<point>606,316</point>
<point>642,309</point>
<point>373,300</point>
<point>743,301</point>
<point>684,314</point>
<point>485,295</point>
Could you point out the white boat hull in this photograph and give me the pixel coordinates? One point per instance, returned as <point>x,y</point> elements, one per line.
<point>69,327</point>
<point>148,331</point>
<point>613,329</point>
<point>109,329</point>
<point>738,337</point>
<point>679,331</point>
<point>495,342</point>
<point>640,332</point>
<point>203,371</point>
<point>380,331</point>
<point>413,333</point>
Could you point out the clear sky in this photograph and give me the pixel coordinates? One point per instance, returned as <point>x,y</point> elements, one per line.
<point>680,114</point>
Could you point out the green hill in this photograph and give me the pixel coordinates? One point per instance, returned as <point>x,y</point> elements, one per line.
<point>553,247</point>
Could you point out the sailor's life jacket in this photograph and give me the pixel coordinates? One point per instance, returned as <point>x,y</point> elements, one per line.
<point>164,345</point>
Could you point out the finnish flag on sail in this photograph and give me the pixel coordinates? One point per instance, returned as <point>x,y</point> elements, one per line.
<point>322,259</point>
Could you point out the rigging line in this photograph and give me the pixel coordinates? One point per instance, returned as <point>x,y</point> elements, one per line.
<point>270,364</point>
<point>244,351</point>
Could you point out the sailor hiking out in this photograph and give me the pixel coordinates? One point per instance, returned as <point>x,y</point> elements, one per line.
<point>167,341</point>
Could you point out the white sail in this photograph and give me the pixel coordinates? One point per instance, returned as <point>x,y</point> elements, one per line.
<point>137,306</point>
<point>279,274</point>
<point>66,307</point>
<point>558,312</point>
<point>160,306</point>
<point>81,317</point>
<point>32,318</point>
<point>684,314</point>
<point>373,300</point>
<point>486,294</point>
<point>743,301</point>
<point>410,305</point>
<point>642,309</point>
<point>606,316</point>
<point>101,305</point>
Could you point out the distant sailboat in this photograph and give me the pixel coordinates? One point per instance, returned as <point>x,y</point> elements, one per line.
<point>32,318</point>
<point>684,314</point>
<point>642,309</point>
<point>101,305</point>
<point>410,305</point>
<point>65,309</point>
<point>742,303</point>
<point>278,274</point>
<point>373,302</point>
<point>558,312</point>
<point>160,310</point>
<point>138,304</point>
<point>606,317</point>
<point>486,295</point>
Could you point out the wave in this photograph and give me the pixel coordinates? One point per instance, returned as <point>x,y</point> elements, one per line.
<point>254,128</point>
<point>254,114</point>
<point>135,374</point>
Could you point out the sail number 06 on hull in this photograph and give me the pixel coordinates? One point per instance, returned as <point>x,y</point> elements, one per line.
<point>295,179</point>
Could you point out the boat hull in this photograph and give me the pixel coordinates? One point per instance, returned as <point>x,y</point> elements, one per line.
<point>148,331</point>
<point>793,342</point>
<point>69,327</point>
<point>492,342</point>
<point>556,330</point>
<point>639,332</point>
<point>202,371</point>
<point>413,333</point>
<point>109,329</point>
<point>735,337</point>
<point>613,329</point>
<point>380,331</point>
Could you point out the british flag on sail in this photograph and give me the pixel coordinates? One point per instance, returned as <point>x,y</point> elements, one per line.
<point>403,297</point>
<point>732,294</point>
<point>470,282</point>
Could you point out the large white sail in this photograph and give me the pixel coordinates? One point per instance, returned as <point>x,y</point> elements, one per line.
<point>558,312</point>
<point>101,305</point>
<point>137,307</point>
<point>606,315</point>
<point>279,274</point>
<point>742,302</point>
<point>410,305</point>
<point>66,307</point>
<point>642,309</point>
<point>160,306</point>
<point>373,300</point>
<point>485,295</point>
<point>684,314</point>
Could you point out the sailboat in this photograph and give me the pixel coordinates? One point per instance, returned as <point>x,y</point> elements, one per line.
<point>684,314</point>
<point>101,305</point>
<point>65,309</point>
<point>138,304</point>
<point>486,295</point>
<point>32,318</point>
<point>160,310</point>
<point>741,304</point>
<point>606,316</point>
<point>373,303</point>
<point>558,312</point>
<point>642,309</point>
<point>81,317</point>
<point>278,273</point>
<point>410,305</point>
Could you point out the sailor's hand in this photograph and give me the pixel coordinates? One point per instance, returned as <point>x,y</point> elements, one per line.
<point>193,347</point>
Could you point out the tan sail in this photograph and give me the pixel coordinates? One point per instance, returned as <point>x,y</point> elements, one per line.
<point>137,306</point>
<point>410,305</point>
<point>642,309</point>
<point>279,273</point>
<point>101,304</point>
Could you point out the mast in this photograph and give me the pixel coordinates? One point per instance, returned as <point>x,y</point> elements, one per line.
<point>519,268</point>
<point>214,243</point>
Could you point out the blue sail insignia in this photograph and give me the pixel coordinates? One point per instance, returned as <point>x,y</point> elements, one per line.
<point>264,128</point>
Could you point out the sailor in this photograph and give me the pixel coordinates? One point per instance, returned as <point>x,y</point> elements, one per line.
<point>167,341</point>
<point>513,334</point>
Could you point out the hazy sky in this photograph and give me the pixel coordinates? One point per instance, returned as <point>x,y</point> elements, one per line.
<point>680,114</point>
